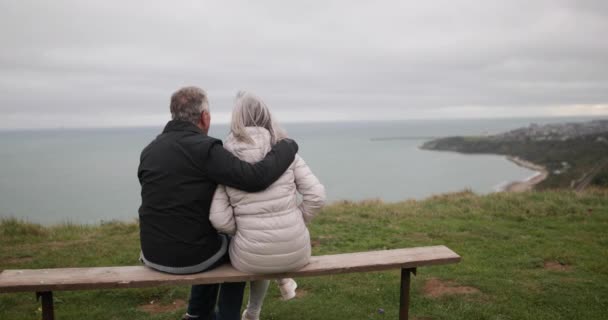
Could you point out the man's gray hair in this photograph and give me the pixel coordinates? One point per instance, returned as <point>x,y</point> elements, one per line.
<point>251,111</point>
<point>188,104</point>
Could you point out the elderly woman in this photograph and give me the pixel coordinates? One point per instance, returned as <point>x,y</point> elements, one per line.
<point>269,227</point>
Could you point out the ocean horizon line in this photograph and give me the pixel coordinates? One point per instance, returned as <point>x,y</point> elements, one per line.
<point>337,121</point>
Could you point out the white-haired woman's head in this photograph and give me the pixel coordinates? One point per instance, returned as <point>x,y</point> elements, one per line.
<point>251,111</point>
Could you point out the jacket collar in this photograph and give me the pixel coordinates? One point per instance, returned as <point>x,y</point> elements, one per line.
<point>180,125</point>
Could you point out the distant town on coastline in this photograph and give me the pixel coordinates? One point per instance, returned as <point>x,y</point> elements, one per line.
<point>574,155</point>
<point>560,131</point>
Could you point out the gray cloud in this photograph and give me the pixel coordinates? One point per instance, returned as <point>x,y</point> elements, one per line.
<point>116,62</point>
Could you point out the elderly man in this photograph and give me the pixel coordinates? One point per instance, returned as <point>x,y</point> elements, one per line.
<point>178,173</point>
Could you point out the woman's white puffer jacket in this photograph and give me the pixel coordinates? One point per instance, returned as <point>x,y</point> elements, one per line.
<point>269,227</point>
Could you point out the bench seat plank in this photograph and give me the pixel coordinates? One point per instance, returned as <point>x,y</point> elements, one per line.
<point>29,280</point>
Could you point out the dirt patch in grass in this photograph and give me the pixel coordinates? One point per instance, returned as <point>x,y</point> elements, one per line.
<point>301,293</point>
<point>155,307</point>
<point>436,288</point>
<point>316,242</point>
<point>556,266</point>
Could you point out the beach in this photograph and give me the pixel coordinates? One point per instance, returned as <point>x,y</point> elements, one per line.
<point>529,183</point>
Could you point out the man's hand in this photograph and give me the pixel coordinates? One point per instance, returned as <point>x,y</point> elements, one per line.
<point>291,143</point>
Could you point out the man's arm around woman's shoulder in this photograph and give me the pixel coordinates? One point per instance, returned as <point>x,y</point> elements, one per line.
<point>223,167</point>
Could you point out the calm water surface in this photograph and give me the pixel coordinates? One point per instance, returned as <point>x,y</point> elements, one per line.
<point>89,175</point>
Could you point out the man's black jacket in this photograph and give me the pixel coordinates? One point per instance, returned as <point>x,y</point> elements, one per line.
<point>178,173</point>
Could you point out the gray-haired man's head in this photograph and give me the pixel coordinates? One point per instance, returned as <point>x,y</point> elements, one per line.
<point>191,104</point>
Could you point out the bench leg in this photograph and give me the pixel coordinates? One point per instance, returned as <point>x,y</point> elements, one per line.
<point>404,302</point>
<point>47,304</point>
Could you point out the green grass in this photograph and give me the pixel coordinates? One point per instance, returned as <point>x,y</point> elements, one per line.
<point>504,239</point>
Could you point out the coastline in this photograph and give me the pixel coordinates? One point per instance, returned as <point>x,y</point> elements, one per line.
<point>529,183</point>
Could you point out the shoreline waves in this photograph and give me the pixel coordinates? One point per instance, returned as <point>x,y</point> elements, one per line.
<point>528,183</point>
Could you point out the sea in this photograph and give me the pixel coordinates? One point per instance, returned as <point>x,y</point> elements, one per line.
<point>88,176</point>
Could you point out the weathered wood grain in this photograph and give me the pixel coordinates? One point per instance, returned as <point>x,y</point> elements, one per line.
<point>29,280</point>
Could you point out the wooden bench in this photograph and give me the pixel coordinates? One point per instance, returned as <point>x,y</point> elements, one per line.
<point>45,281</point>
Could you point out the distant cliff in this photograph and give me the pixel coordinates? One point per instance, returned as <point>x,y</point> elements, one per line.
<point>575,154</point>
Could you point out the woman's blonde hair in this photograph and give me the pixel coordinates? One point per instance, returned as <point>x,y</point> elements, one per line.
<point>251,111</point>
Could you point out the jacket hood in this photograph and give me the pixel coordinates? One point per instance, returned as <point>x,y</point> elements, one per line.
<point>250,152</point>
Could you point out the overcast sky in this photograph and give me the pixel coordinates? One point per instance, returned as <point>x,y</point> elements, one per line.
<point>116,63</point>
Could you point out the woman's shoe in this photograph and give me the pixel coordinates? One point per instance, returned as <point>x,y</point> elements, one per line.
<point>288,289</point>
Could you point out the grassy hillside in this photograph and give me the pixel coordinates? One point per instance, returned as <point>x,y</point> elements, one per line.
<point>574,159</point>
<point>535,255</point>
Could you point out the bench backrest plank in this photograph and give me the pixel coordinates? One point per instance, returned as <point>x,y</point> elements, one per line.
<point>29,280</point>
